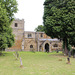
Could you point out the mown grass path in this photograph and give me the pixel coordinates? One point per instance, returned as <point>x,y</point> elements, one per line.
<point>38,63</point>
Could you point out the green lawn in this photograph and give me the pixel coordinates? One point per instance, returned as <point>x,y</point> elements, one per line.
<point>38,63</point>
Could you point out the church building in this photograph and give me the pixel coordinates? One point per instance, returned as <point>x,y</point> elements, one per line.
<point>32,41</point>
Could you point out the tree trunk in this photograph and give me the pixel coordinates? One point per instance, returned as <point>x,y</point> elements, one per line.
<point>65,49</point>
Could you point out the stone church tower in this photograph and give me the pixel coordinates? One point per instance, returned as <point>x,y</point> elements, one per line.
<point>18,30</point>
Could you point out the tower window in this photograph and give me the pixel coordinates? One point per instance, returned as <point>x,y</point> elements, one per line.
<point>29,35</point>
<point>16,25</point>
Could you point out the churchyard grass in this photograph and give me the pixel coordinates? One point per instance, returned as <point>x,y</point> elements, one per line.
<point>38,63</point>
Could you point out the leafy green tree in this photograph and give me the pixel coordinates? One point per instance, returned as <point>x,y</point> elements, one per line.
<point>59,20</point>
<point>7,10</point>
<point>40,28</point>
<point>11,8</point>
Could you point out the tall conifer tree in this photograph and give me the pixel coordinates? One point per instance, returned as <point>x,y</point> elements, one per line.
<point>59,20</point>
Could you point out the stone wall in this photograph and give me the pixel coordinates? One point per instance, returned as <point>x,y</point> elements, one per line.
<point>28,43</point>
<point>58,47</point>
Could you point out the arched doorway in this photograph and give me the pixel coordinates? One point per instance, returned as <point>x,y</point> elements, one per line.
<point>46,47</point>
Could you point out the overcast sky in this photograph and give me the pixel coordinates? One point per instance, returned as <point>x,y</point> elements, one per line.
<point>32,12</point>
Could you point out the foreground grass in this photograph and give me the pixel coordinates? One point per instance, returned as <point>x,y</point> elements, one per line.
<point>38,63</point>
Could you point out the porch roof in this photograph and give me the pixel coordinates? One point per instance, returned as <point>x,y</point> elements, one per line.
<point>48,39</point>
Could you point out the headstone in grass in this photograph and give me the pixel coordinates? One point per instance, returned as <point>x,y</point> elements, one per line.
<point>68,61</point>
<point>21,65</point>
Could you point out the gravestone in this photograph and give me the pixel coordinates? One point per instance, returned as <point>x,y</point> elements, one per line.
<point>21,65</point>
<point>68,59</point>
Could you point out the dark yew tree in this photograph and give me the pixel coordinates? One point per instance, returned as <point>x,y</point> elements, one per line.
<point>59,20</point>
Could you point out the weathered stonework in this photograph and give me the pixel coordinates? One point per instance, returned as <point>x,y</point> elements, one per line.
<point>28,40</point>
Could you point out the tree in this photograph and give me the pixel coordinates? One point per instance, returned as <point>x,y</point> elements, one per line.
<point>40,28</point>
<point>59,20</point>
<point>11,8</point>
<point>7,10</point>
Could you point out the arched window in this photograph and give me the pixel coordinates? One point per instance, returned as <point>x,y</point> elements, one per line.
<point>55,45</point>
<point>31,46</point>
